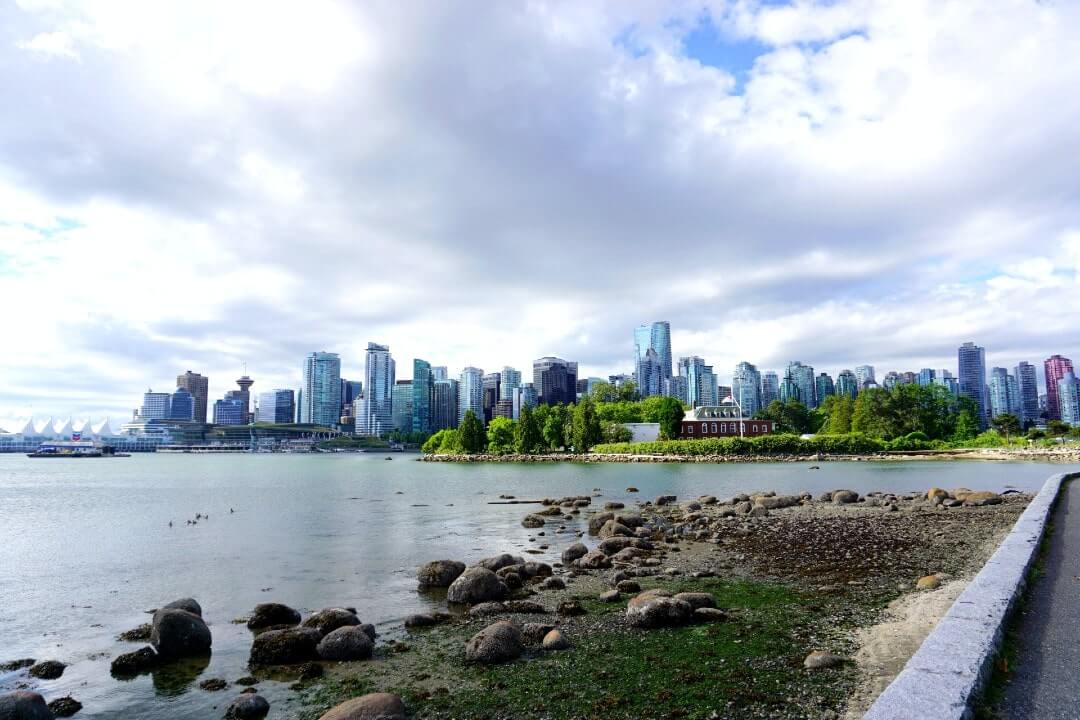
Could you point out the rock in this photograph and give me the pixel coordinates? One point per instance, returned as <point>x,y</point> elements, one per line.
<point>526,607</point>
<point>48,669</point>
<point>533,633</point>
<point>13,665</point>
<point>627,555</point>
<point>486,608</point>
<point>612,529</point>
<point>373,706</point>
<point>709,614</point>
<point>269,614</point>
<point>532,521</point>
<point>311,670</point>
<point>929,582</point>
<point>697,599</point>
<point>819,659</point>
<point>594,560</point>
<point>213,684</point>
<point>554,583</point>
<point>959,493</point>
<point>610,596</point>
<point>328,620</point>
<point>743,507</point>
<point>759,511</point>
<point>287,646</point>
<point>570,608</point>
<point>65,706</point>
<point>665,499</point>
<point>345,643</point>
<point>439,573</point>
<point>499,642</point>
<point>612,545</point>
<point>189,604</point>
<point>476,585</point>
<point>369,630</point>
<point>533,569</point>
<point>707,499</point>
<point>248,680</point>
<point>133,663</point>
<point>978,499</point>
<point>655,608</point>
<point>597,521</point>
<point>512,580</point>
<point>573,552</point>
<point>139,634</point>
<point>248,707</point>
<point>179,633</point>
<point>500,561</point>
<point>777,502</point>
<point>422,620</point>
<point>613,506</point>
<point>24,705</point>
<point>628,586</point>
<point>844,497</point>
<point>555,640</point>
<point>631,489</point>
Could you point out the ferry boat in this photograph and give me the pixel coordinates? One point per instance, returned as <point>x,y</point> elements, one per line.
<point>74,449</point>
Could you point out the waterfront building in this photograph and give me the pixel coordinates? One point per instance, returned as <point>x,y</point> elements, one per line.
<point>555,380</point>
<point>181,406</point>
<point>847,384</point>
<point>471,393</point>
<point>444,405</point>
<point>155,406</point>
<point>276,406</point>
<point>243,395</point>
<point>1069,398</point>
<point>823,387</point>
<point>865,374</point>
<point>803,377</point>
<point>971,361</point>
<point>655,336</point>
<point>770,388</point>
<point>376,417</point>
<point>490,383</point>
<point>423,389</point>
<point>509,380</point>
<point>746,388</point>
<point>909,378</point>
<point>722,420</point>
<point>927,376</point>
<point>1028,393</point>
<point>230,411</point>
<point>1055,368</point>
<point>401,406</point>
<point>320,398</point>
<point>199,387</point>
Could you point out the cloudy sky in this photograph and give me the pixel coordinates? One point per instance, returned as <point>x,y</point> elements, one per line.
<point>198,184</point>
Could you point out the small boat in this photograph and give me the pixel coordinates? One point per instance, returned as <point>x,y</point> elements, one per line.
<point>74,449</point>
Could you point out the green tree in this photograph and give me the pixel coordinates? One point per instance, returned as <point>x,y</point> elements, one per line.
<point>1057,428</point>
<point>554,430</point>
<point>444,442</point>
<point>1035,434</point>
<point>966,427</point>
<point>617,433</point>
<point>586,430</point>
<point>670,414</point>
<point>528,438</point>
<point>628,391</point>
<point>1007,425</point>
<point>473,436</point>
<point>500,435</point>
<point>791,417</point>
<point>838,410</point>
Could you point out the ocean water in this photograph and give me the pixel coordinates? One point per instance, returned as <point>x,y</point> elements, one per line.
<point>86,547</point>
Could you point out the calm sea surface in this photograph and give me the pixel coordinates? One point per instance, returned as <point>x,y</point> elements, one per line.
<point>86,548</point>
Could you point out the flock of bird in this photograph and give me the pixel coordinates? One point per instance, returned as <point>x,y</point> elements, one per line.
<point>198,517</point>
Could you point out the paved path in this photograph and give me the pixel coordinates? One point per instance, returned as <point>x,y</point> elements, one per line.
<point>1045,684</point>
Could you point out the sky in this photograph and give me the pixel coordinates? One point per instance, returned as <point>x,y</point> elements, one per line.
<point>197,185</point>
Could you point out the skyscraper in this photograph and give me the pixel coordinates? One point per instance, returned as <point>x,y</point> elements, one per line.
<point>865,374</point>
<point>509,380</point>
<point>823,387</point>
<point>1055,367</point>
<point>1028,390</point>
<point>555,380</point>
<point>654,336</point>
<point>438,372</point>
<point>1069,398</point>
<point>181,406</point>
<point>803,377</point>
<point>701,384</point>
<point>770,387</point>
<point>321,391</point>
<point>199,387</point>
<point>229,410</point>
<point>1000,402</point>
<point>401,406</point>
<point>971,361</point>
<point>377,406</point>
<point>926,376</point>
<point>444,405</point>
<point>155,406</point>
<point>490,383</point>
<point>746,388</point>
<point>275,406</point>
<point>243,395</point>
<point>789,389</point>
<point>847,384</point>
<point>471,393</point>
<point>423,388</point>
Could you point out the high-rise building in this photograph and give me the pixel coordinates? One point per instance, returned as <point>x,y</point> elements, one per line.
<point>947,380</point>
<point>401,405</point>
<point>490,383</point>
<point>803,377</point>
<point>789,389</point>
<point>927,376</point>
<point>276,406</point>
<point>438,372</point>
<point>1055,367</point>
<point>320,400</point>
<point>181,406</point>
<point>971,361</point>
<point>555,380</point>
<point>701,383</point>
<point>1028,392</point>
<point>1069,398</point>
<point>155,406</point>
<point>746,388</point>
<point>865,374</point>
<point>471,393</point>
<point>1000,401</point>
<point>823,387</point>
<point>679,389</point>
<point>243,395</point>
<point>444,405</point>
<point>199,387</point>
<point>350,390</point>
<point>509,380</point>
<point>654,336</point>
<point>423,388</point>
<point>230,410</point>
<point>770,387</point>
<point>847,384</point>
<point>891,380</point>
<point>376,416</point>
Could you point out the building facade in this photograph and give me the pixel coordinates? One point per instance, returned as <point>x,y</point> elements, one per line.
<point>1069,398</point>
<point>444,405</point>
<point>803,377</point>
<point>726,420</point>
<point>847,384</point>
<point>181,406</point>
<point>376,416</point>
<point>770,388</point>
<point>423,388</point>
<point>555,380</point>
<point>471,393</point>
<point>1055,368</point>
<point>865,374</point>
<point>401,406</point>
<point>320,399</point>
<point>746,388</point>
<point>823,387</point>
<point>199,387</point>
<point>276,406</point>
<point>1028,390</point>
<point>230,411</point>
<point>655,379</point>
<point>971,366</point>
<point>155,406</point>
<point>509,380</point>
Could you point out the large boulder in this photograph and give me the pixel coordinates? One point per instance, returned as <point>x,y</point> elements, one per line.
<point>476,585</point>
<point>573,552</point>
<point>981,498</point>
<point>346,643</point>
<point>534,633</point>
<point>328,620</point>
<point>179,633</point>
<point>47,669</point>
<point>597,521</point>
<point>374,706</point>
<point>555,640</point>
<point>24,705</point>
<point>777,501</point>
<point>248,707</point>
<point>594,560</point>
<point>697,599</point>
<point>133,663</point>
<point>500,561</point>
<point>844,497</point>
<point>269,614</point>
<point>439,573</point>
<point>655,608</point>
<point>190,604</point>
<point>613,528</point>
<point>499,642</point>
<point>285,647</point>
<point>532,521</point>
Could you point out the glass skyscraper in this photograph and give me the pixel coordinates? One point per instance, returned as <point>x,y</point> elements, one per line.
<point>1069,398</point>
<point>1028,391</point>
<point>847,384</point>
<point>509,380</point>
<point>746,388</point>
<point>555,380</point>
<point>770,388</point>
<point>321,391</point>
<point>803,377</point>
<point>971,362</point>
<point>444,405</point>
<point>1055,366</point>
<point>401,405</point>
<point>653,374</point>
<point>423,388</point>
<point>181,405</point>
<point>471,393</point>
<point>377,406</point>
<point>275,406</point>
<point>823,387</point>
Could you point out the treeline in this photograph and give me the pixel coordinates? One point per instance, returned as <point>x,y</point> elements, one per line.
<point>781,444</point>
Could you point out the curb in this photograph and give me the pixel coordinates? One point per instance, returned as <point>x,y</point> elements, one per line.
<point>951,667</point>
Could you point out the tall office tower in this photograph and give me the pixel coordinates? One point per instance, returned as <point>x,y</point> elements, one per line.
<point>654,336</point>
<point>847,384</point>
<point>803,376</point>
<point>908,378</point>
<point>823,387</point>
<point>229,410</point>
<point>865,374</point>
<point>181,406</point>
<point>490,383</point>
<point>1028,390</point>
<point>509,380</point>
<point>376,416</point>
<point>789,389</point>
<point>199,387</point>
<point>401,405</point>
<point>701,384</point>
<point>927,376</point>
<point>155,406</point>
<point>529,396</point>
<point>1000,402</point>
<point>276,406</point>
<point>444,405</point>
<point>891,380</point>
<point>746,388</point>
<point>438,372</point>
<point>679,389</point>
<point>948,381</point>
<point>1055,366</point>
<point>471,393</point>
<point>350,390</point>
<point>971,361</point>
<point>770,388</point>
<point>423,389</point>
<point>555,380</point>
<point>1069,398</point>
<point>320,402</point>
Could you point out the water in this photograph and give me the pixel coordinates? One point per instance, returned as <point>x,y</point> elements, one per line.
<point>86,548</point>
